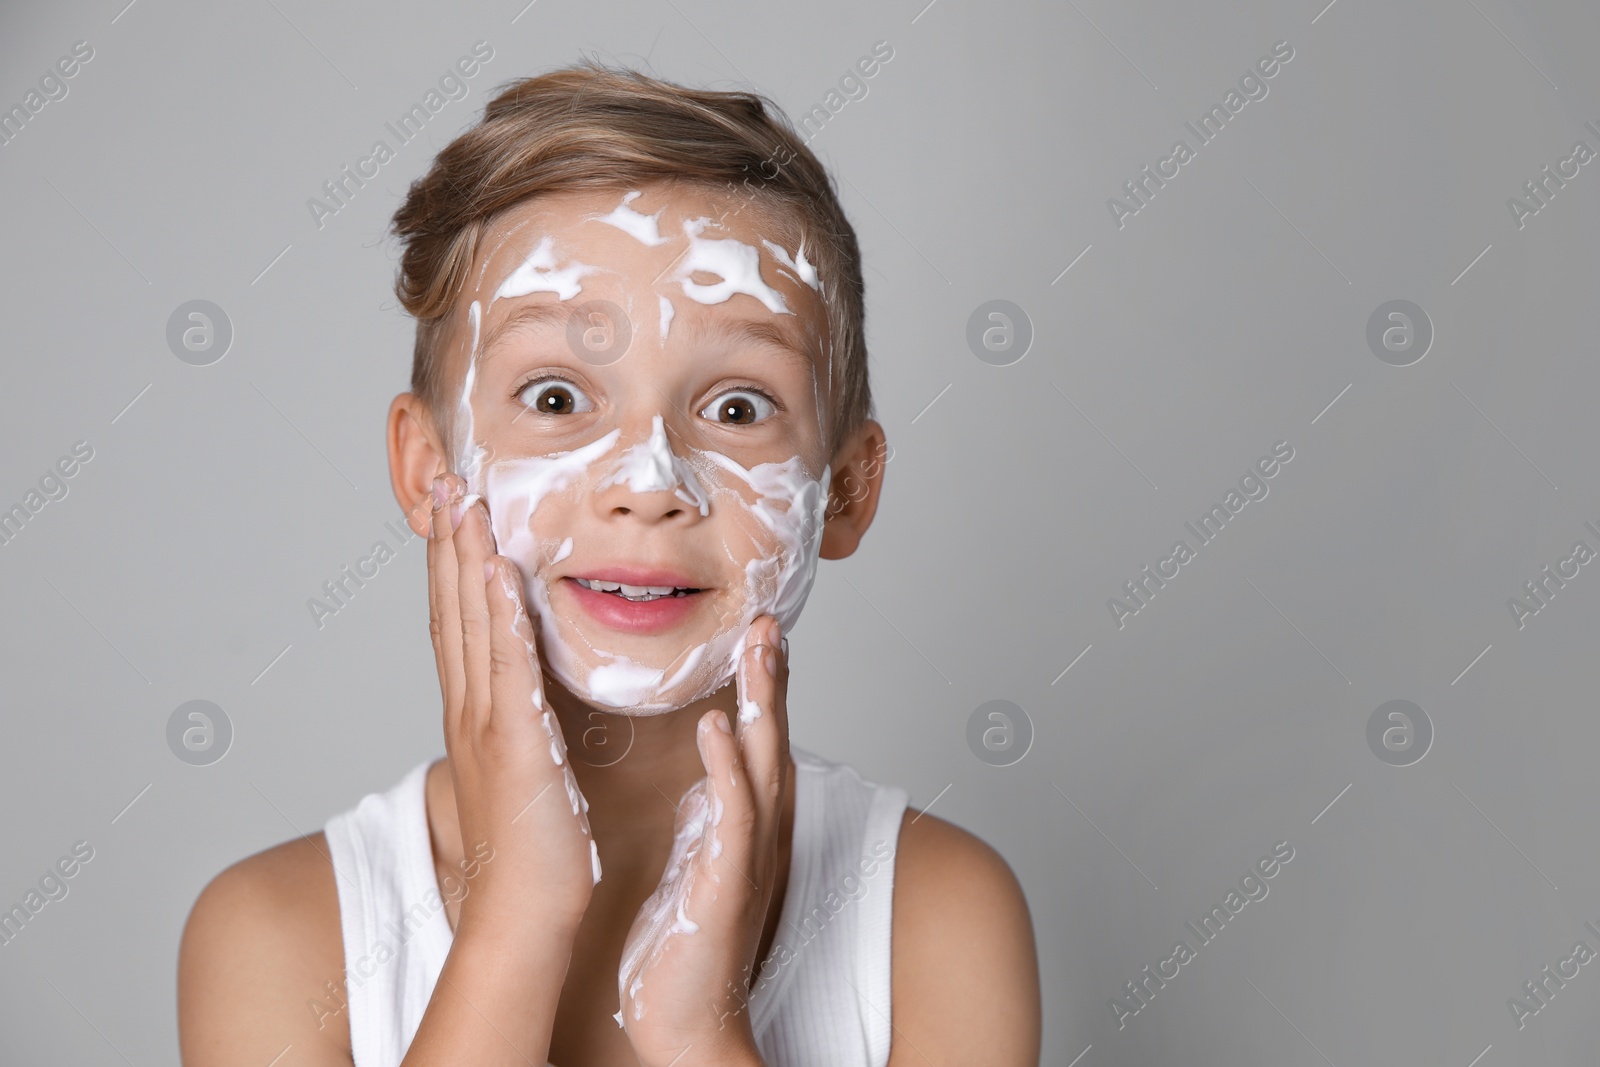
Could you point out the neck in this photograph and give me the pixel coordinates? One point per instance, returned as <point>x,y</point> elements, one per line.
<point>632,768</point>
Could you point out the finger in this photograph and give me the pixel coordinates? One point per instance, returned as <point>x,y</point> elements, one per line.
<point>763,726</point>
<point>513,661</point>
<point>444,615</point>
<point>734,821</point>
<point>473,550</point>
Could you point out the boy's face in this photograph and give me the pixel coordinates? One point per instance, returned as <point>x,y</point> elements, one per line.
<point>642,382</point>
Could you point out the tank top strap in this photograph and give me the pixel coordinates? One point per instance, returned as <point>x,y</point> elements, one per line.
<point>823,993</point>
<point>393,921</point>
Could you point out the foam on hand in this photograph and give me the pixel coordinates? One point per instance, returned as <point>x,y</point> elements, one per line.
<point>665,914</point>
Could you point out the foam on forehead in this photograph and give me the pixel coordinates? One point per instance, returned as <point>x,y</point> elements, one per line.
<point>799,267</point>
<point>539,273</point>
<point>736,263</point>
<point>642,228</point>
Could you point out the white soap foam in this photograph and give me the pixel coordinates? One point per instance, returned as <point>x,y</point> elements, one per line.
<point>736,263</point>
<point>651,467</point>
<point>799,267</point>
<point>642,228</point>
<point>690,661</point>
<point>539,273</point>
<point>664,915</point>
<point>666,316</point>
<point>797,526</point>
<point>469,454</point>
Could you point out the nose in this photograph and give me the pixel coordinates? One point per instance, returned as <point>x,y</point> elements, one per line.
<point>652,483</point>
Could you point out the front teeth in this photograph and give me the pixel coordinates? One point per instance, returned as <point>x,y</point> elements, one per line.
<point>633,592</point>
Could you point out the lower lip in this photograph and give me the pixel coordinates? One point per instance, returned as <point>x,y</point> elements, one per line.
<point>634,617</point>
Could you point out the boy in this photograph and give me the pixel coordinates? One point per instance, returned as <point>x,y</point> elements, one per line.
<point>639,415</point>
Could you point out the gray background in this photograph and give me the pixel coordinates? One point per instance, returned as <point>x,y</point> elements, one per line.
<point>1224,317</point>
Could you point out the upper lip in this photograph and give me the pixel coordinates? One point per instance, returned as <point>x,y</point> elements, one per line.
<point>624,574</point>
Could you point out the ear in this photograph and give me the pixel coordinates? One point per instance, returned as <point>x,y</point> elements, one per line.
<point>416,458</point>
<point>853,494</point>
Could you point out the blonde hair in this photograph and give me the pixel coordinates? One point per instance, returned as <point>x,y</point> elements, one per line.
<point>589,127</point>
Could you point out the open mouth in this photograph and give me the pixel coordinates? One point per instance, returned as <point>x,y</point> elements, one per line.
<point>654,601</point>
<point>638,594</point>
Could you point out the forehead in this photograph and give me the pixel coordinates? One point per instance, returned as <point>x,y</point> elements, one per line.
<point>712,253</point>
<point>656,227</point>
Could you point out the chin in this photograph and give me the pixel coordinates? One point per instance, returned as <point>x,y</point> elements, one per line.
<point>618,685</point>
<point>645,674</point>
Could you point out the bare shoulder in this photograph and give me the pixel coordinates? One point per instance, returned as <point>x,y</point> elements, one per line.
<point>965,969</point>
<point>261,945</point>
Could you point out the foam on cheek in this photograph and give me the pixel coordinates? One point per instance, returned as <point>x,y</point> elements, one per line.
<point>666,316</point>
<point>780,581</point>
<point>665,914</point>
<point>469,454</point>
<point>516,487</point>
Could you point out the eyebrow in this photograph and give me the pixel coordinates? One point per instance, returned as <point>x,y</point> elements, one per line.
<point>755,332</point>
<point>543,313</point>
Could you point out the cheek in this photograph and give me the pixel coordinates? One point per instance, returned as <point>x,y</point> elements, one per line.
<point>529,532</point>
<point>531,501</point>
<point>773,538</point>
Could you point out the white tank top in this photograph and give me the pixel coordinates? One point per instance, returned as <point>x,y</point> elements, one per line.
<point>822,995</point>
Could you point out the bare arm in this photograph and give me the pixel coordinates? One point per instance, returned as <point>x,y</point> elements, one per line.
<point>260,946</point>
<point>965,981</point>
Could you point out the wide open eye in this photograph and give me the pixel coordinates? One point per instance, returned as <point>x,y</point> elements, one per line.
<point>740,407</point>
<point>555,396</point>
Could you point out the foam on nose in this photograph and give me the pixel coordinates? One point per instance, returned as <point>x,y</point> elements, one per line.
<point>651,467</point>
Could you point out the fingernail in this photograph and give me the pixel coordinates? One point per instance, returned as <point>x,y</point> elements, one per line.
<point>488,569</point>
<point>440,493</point>
<point>783,643</point>
<point>720,721</point>
<point>769,660</point>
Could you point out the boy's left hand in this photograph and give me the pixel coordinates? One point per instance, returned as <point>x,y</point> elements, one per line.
<point>690,955</point>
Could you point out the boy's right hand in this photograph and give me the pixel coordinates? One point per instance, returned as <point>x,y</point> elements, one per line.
<point>513,782</point>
